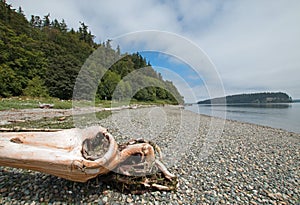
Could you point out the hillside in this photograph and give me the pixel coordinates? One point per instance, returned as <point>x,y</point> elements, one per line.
<point>42,57</point>
<point>277,97</point>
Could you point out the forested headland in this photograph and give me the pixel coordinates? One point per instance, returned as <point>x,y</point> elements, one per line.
<point>266,97</point>
<point>41,57</point>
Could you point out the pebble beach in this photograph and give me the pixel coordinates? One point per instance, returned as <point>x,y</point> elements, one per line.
<point>216,161</point>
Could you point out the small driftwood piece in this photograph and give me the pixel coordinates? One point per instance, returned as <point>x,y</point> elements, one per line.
<point>80,154</point>
<point>46,105</point>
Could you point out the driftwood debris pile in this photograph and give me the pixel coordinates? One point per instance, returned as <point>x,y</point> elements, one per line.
<point>82,154</point>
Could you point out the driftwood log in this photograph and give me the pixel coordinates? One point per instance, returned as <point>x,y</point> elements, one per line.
<point>81,154</point>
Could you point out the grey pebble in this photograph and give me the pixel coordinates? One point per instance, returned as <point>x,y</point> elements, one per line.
<point>245,164</point>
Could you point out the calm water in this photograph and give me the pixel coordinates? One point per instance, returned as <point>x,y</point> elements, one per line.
<point>284,116</point>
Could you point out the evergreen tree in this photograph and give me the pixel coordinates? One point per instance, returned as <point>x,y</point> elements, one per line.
<point>118,50</point>
<point>46,21</point>
<point>43,57</point>
<point>36,88</point>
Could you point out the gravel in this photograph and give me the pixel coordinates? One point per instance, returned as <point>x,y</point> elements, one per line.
<point>216,161</point>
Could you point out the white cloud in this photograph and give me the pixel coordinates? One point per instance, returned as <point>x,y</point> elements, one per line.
<point>114,18</point>
<point>257,45</point>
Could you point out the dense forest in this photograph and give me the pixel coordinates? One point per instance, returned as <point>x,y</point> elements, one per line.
<point>275,97</point>
<point>42,57</point>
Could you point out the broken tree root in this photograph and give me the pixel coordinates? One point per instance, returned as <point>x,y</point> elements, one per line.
<point>139,184</point>
<point>139,167</point>
<point>144,171</point>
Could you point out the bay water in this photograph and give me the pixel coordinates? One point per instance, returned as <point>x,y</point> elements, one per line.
<point>284,116</point>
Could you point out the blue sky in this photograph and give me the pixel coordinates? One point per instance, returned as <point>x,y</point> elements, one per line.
<point>160,62</point>
<point>253,45</point>
<point>169,65</point>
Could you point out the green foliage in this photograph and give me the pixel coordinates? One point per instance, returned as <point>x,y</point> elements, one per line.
<point>9,84</point>
<point>139,81</point>
<point>42,49</point>
<point>124,91</point>
<point>19,61</point>
<point>36,88</point>
<point>43,57</point>
<point>24,102</point>
<point>108,84</point>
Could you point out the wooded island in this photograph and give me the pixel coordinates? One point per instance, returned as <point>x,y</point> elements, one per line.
<point>266,97</point>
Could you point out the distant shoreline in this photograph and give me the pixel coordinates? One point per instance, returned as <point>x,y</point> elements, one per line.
<point>266,97</point>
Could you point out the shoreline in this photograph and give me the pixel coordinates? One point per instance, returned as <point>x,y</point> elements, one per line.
<point>285,119</point>
<point>247,163</point>
<point>249,123</point>
<point>31,114</point>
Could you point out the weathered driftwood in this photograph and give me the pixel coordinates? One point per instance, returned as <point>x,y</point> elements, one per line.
<point>46,105</point>
<point>79,154</point>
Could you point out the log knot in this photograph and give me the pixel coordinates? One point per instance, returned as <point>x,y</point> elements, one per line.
<point>16,140</point>
<point>95,148</point>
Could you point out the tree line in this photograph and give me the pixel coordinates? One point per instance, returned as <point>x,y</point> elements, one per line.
<point>43,57</point>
